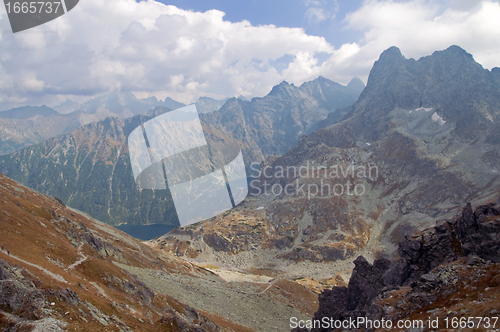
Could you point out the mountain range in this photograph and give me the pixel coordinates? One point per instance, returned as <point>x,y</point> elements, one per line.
<point>427,127</point>
<point>428,131</point>
<point>29,125</point>
<point>89,168</point>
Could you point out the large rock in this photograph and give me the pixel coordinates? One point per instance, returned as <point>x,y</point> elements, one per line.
<point>421,266</point>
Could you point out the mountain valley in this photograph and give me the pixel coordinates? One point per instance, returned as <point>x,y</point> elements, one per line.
<point>61,270</point>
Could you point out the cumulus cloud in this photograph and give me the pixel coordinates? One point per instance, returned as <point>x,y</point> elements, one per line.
<point>148,48</point>
<point>419,28</point>
<point>153,49</point>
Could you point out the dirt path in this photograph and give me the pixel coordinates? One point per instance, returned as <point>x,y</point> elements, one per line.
<point>81,260</point>
<point>45,271</point>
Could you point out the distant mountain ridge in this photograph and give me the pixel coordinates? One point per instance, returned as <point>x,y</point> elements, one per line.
<point>28,111</point>
<point>28,125</point>
<point>68,106</point>
<point>209,105</point>
<point>276,121</point>
<point>124,105</point>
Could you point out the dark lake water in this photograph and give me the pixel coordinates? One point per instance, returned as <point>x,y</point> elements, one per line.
<point>146,232</point>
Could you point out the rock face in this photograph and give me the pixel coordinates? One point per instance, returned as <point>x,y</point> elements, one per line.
<point>447,83</point>
<point>21,295</point>
<point>277,121</point>
<point>422,270</point>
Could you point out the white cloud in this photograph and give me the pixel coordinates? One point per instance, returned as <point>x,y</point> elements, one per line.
<point>149,48</point>
<point>153,49</point>
<point>320,10</point>
<point>419,28</point>
<point>316,15</point>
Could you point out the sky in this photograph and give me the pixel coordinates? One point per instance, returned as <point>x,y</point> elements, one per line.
<point>185,49</point>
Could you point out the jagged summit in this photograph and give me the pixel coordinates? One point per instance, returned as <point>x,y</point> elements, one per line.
<point>451,82</point>
<point>284,88</point>
<point>322,79</point>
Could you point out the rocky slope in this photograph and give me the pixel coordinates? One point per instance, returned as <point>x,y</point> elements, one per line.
<point>58,272</point>
<point>61,270</point>
<point>421,141</point>
<point>449,272</point>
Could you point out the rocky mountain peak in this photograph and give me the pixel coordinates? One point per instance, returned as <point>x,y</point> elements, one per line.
<point>282,88</point>
<point>450,82</point>
<point>356,84</point>
<point>455,51</point>
<point>393,53</point>
<point>322,79</point>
